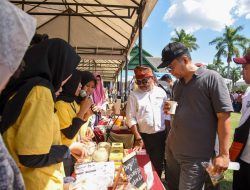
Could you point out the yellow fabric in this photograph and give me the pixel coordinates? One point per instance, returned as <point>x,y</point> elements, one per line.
<point>36,129</point>
<point>66,112</point>
<point>83,130</point>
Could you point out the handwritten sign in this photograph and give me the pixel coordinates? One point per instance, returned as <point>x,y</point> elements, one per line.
<point>133,171</point>
<point>96,171</point>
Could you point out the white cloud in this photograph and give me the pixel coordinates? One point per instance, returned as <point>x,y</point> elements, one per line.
<point>146,25</point>
<point>243,8</point>
<point>192,15</point>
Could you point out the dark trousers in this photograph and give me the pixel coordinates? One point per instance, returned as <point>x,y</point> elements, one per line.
<point>155,147</point>
<point>241,178</point>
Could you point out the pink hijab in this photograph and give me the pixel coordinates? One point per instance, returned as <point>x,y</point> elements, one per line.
<point>99,93</point>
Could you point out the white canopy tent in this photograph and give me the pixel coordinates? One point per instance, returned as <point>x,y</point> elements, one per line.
<point>102,31</point>
<point>240,82</point>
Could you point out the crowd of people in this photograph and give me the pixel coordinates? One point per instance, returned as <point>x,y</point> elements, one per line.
<point>48,108</point>
<point>236,98</point>
<point>200,127</point>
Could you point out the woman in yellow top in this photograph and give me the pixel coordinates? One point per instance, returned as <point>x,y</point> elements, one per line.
<point>89,82</point>
<point>29,124</point>
<point>68,111</point>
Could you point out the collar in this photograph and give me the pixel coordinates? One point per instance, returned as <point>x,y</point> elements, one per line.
<point>199,71</point>
<point>196,74</point>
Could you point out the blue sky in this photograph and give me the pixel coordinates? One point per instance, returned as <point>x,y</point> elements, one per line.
<point>205,19</point>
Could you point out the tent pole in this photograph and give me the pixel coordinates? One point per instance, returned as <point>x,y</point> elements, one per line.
<point>126,80</point>
<point>69,26</point>
<point>121,84</point>
<point>140,35</point>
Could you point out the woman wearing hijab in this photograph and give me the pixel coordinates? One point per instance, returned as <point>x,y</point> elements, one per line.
<point>99,92</point>
<point>68,110</point>
<point>89,83</point>
<point>70,115</point>
<point>16,31</point>
<point>99,96</point>
<point>29,124</point>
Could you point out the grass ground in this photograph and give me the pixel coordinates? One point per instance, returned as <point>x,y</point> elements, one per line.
<point>226,184</point>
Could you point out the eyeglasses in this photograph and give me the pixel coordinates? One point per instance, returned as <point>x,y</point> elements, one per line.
<point>172,65</point>
<point>169,67</point>
<point>142,81</point>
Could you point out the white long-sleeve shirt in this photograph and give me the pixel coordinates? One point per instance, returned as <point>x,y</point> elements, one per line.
<point>245,113</point>
<point>146,110</point>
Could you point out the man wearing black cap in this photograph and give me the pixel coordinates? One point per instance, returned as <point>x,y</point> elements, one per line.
<point>241,178</point>
<point>203,109</point>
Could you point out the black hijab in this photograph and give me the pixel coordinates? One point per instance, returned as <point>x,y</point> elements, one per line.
<point>70,87</point>
<point>48,64</point>
<point>86,77</point>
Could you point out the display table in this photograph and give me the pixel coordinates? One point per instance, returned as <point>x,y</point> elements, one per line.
<point>113,133</point>
<point>142,161</point>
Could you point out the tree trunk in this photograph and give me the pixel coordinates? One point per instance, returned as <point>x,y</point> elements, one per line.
<point>228,69</point>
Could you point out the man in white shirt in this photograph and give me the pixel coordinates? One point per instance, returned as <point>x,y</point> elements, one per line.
<point>146,118</point>
<point>241,178</point>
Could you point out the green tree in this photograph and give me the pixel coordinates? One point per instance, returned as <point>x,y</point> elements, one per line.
<point>217,65</point>
<point>187,39</point>
<point>212,67</point>
<point>235,73</point>
<point>228,45</point>
<point>223,71</point>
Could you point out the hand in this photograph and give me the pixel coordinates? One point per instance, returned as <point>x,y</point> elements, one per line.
<point>87,115</point>
<point>89,133</point>
<point>84,107</point>
<point>138,145</point>
<point>77,150</point>
<point>95,108</point>
<point>221,163</point>
<point>166,107</point>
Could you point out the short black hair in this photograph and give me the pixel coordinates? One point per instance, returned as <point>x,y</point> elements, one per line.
<point>166,77</point>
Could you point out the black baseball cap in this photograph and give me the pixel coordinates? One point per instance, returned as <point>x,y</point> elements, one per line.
<point>171,52</point>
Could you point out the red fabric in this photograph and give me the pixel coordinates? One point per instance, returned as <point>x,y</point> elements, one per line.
<point>143,72</point>
<point>122,131</point>
<point>142,161</point>
<point>99,136</point>
<point>102,122</point>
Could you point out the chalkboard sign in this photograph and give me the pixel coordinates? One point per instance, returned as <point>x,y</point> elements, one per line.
<point>133,171</point>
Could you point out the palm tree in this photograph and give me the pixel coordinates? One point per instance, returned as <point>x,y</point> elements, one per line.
<point>245,48</point>
<point>235,73</point>
<point>212,67</point>
<point>187,39</point>
<point>223,71</point>
<point>227,45</point>
<point>217,65</point>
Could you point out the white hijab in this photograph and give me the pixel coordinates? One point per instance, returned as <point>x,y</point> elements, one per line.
<point>16,31</point>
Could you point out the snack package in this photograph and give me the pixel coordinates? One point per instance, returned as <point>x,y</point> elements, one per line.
<point>214,176</point>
